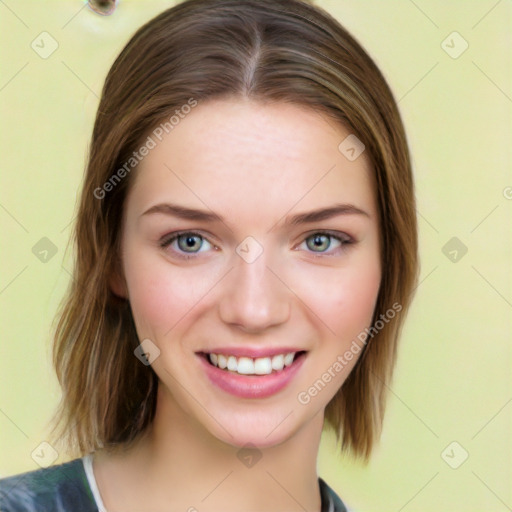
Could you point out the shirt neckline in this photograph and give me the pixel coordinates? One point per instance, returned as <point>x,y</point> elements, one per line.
<point>87,462</point>
<point>326,501</point>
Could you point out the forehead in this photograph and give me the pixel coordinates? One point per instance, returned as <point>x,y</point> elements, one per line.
<point>235,155</point>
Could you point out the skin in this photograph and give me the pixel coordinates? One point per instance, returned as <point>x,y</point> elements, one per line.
<point>255,165</point>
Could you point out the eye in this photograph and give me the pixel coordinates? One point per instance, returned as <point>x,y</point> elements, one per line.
<point>324,242</point>
<point>186,243</point>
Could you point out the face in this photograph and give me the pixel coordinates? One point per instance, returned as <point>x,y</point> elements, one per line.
<point>249,240</point>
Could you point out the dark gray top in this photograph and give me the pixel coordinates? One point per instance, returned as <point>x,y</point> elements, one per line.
<point>65,488</point>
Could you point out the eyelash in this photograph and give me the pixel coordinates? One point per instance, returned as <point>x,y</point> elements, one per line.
<point>342,238</point>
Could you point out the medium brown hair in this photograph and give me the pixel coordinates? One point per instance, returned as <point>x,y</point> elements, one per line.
<point>268,51</point>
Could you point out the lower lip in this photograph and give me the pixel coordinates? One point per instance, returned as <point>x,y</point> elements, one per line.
<point>251,386</point>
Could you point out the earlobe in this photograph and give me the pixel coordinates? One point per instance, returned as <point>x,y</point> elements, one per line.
<point>117,284</point>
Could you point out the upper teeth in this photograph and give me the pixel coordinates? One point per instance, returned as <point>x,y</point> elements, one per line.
<point>251,366</point>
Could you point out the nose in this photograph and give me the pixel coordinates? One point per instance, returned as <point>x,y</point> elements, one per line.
<point>254,298</point>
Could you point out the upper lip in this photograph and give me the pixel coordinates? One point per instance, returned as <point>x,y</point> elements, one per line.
<point>252,352</point>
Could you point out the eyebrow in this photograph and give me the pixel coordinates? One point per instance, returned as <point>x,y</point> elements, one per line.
<point>186,213</point>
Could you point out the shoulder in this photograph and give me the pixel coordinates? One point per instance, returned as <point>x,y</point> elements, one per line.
<point>59,488</point>
<point>331,502</point>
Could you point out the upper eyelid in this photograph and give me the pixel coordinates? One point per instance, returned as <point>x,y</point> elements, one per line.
<point>335,234</point>
<point>176,234</point>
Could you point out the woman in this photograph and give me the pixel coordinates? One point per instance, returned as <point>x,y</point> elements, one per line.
<point>246,253</point>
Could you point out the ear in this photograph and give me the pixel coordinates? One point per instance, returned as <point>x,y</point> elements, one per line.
<point>117,282</point>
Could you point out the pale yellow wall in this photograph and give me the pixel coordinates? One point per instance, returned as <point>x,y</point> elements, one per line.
<point>453,376</point>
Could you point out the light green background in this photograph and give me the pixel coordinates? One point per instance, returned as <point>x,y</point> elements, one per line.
<point>452,381</point>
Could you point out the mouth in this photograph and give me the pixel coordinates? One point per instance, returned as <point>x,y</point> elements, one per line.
<point>252,366</point>
<point>246,376</point>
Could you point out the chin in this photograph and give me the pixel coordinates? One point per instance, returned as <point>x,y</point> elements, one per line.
<point>262,431</point>
<point>253,439</point>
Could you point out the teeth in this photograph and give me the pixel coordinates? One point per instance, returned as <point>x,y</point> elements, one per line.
<point>250,366</point>
<point>263,366</point>
<point>232,363</point>
<point>278,362</point>
<point>245,366</point>
<point>288,359</point>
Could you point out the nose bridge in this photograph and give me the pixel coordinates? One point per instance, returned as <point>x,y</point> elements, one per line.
<point>254,298</point>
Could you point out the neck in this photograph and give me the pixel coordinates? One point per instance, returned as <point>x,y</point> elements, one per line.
<point>186,466</point>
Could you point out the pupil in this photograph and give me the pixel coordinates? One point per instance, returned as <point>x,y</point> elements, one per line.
<point>190,241</point>
<point>321,241</point>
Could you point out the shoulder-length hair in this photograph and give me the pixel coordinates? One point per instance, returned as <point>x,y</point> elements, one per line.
<point>268,51</point>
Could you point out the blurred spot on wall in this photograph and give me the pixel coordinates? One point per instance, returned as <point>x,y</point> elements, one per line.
<point>103,7</point>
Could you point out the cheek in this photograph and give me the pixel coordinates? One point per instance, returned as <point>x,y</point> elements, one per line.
<point>159,297</point>
<point>344,299</point>
<point>358,295</point>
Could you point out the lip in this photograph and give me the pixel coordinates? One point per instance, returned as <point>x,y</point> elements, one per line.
<point>252,386</point>
<point>251,352</point>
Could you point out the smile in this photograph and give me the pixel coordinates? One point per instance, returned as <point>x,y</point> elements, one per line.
<point>252,366</point>
<point>251,377</point>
